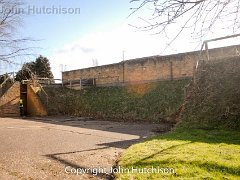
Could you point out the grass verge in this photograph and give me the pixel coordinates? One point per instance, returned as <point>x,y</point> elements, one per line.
<point>193,154</point>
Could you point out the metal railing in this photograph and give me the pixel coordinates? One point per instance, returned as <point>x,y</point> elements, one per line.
<point>204,54</point>
<point>36,83</point>
<point>79,84</point>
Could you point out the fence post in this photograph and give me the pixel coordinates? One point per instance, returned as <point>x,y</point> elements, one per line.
<point>13,76</point>
<point>80,84</point>
<point>171,70</point>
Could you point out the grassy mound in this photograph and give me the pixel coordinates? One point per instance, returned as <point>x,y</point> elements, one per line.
<point>150,102</point>
<point>214,100</point>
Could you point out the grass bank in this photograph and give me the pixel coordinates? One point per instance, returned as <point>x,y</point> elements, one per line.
<point>214,99</point>
<point>206,143</point>
<point>193,154</point>
<point>153,102</point>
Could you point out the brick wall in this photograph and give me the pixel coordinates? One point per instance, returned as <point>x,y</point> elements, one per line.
<point>148,68</point>
<point>9,102</point>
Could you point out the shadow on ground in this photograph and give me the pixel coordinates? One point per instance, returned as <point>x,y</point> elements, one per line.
<point>141,129</point>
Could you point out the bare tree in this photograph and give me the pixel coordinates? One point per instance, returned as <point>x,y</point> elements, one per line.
<point>198,15</point>
<point>12,46</point>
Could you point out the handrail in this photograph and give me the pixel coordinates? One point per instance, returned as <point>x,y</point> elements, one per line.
<point>36,84</point>
<point>8,77</point>
<point>4,82</point>
<point>4,86</point>
<point>43,91</point>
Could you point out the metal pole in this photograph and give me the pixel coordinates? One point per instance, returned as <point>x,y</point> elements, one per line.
<point>80,84</point>
<point>123,67</point>
<point>207,52</point>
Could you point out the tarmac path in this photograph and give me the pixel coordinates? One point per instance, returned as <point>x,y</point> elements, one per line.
<point>64,148</point>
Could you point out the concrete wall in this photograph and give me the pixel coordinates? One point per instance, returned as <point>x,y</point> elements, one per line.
<point>34,104</point>
<point>9,102</point>
<point>148,68</point>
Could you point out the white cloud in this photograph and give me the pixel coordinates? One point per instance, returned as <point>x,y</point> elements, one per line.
<point>107,47</point>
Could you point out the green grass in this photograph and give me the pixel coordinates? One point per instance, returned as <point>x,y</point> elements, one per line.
<point>149,102</point>
<point>206,144</point>
<point>194,154</point>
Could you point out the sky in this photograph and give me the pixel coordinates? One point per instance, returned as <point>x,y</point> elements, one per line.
<point>98,33</point>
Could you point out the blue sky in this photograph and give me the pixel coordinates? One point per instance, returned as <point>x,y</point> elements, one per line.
<point>100,33</point>
<point>57,30</point>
